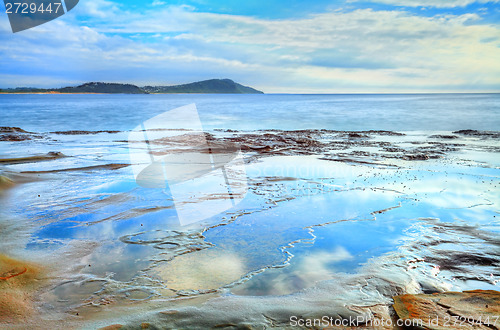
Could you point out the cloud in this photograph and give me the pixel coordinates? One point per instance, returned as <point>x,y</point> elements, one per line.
<point>361,50</point>
<point>98,8</point>
<point>433,3</point>
<point>158,3</point>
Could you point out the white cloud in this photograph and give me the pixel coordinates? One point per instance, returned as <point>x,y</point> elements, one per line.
<point>434,3</point>
<point>98,8</point>
<point>158,3</point>
<point>356,51</point>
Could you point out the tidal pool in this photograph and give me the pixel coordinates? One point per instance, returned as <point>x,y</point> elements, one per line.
<point>334,225</point>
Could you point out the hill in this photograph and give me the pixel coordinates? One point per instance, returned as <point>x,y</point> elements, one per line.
<point>100,87</point>
<point>23,90</point>
<point>220,86</point>
<point>212,86</point>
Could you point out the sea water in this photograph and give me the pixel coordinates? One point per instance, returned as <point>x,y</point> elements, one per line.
<point>407,112</point>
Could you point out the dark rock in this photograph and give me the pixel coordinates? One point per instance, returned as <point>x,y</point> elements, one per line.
<point>458,261</point>
<point>5,129</point>
<point>354,135</point>
<point>416,157</point>
<point>55,154</point>
<point>14,137</point>
<point>82,132</point>
<point>483,134</point>
<point>394,149</point>
<point>390,133</point>
<point>446,137</point>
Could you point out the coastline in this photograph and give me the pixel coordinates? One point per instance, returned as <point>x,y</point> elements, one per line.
<point>54,93</point>
<point>215,86</point>
<point>187,93</point>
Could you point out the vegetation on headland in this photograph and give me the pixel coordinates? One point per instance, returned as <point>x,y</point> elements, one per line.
<point>222,86</point>
<point>212,86</point>
<point>105,88</point>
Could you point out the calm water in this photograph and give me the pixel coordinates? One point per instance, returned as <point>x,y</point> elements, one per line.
<point>444,112</point>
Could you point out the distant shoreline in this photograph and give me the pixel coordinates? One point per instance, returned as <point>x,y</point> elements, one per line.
<point>208,93</point>
<point>53,93</point>
<point>212,86</point>
<point>87,93</point>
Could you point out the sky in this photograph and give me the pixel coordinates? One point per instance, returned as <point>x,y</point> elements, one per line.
<point>277,46</point>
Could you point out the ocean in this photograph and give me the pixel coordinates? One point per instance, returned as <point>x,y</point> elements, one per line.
<point>415,112</point>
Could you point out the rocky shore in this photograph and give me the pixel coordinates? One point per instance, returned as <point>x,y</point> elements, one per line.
<point>365,147</point>
<point>425,183</point>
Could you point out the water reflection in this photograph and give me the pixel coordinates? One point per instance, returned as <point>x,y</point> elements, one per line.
<point>304,221</point>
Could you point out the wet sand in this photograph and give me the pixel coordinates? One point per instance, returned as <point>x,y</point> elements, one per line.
<point>19,282</point>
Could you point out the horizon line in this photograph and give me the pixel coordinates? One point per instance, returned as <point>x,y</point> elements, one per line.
<point>263,93</point>
<point>141,86</point>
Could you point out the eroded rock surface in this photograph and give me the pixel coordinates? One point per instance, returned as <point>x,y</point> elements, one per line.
<point>477,309</point>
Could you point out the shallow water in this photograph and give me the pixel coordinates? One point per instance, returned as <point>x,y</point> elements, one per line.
<point>349,221</point>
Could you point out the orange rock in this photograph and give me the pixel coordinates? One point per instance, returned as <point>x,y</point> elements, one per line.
<point>13,273</point>
<point>477,309</point>
<point>112,327</point>
<point>18,281</point>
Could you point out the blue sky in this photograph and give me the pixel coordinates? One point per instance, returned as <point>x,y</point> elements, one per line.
<point>277,46</point>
